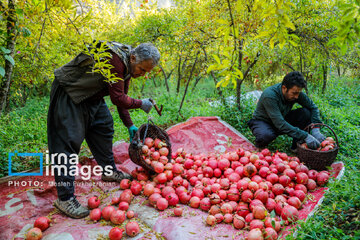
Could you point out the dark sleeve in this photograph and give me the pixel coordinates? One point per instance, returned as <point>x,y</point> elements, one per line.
<point>125,117</point>
<point>118,92</point>
<point>306,102</point>
<point>273,111</point>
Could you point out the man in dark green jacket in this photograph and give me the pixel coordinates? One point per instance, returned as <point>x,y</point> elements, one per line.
<point>273,115</point>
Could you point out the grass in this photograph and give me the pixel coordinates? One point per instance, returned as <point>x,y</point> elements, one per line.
<point>338,217</point>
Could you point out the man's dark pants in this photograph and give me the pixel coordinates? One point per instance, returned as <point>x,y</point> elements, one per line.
<point>265,132</point>
<point>68,125</point>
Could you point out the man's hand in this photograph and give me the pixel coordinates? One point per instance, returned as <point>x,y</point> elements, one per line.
<point>317,134</point>
<point>146,105</point>
<point>312,142</point>
<point>132,131</point>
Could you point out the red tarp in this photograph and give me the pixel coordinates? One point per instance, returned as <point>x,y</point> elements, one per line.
<point>21,205</point>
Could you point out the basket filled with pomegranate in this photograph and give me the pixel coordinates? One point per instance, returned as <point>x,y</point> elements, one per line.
<point>150,148</point>
<point>319,159</point>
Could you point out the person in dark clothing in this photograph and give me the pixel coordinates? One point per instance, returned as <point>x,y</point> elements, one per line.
<point>78,111</point>
<point>273,115</point>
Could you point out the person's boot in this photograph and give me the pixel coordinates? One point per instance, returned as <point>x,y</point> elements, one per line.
<point>117,176</point>
<point>71,208</point>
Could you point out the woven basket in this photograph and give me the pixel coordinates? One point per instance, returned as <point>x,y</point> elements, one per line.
<point>316,159</point>
<point>147,130</point>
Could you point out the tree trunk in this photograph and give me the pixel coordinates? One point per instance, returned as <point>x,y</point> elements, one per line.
<point>166,78</point>
<point>324,67</point>
<point>179,76</point>
<point>153,79</point>
<point>10,44</point>
<point>187,84</point>
<point>196,82</point>
<point>338,70</point>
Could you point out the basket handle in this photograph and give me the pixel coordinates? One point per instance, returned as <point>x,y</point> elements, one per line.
<point>312,125</point>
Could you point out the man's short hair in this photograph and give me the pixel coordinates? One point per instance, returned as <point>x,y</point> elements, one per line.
<point>146,51</point>
<point>294,79</point>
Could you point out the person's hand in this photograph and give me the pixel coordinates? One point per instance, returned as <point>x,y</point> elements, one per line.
<point>312,142</point>
<point>146,105</point>
<point>317,134</point>
<point>132,130</point>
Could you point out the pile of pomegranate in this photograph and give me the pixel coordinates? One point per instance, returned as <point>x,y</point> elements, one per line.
<point>116,216</point>
<point>260,191</point>
<point>155,153</point>
<point>326,145</point>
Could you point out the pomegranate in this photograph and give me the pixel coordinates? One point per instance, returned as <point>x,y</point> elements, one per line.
<point>205,204</point>
<point>153,198</point>
<point>295,202</point>
<point>249,170</point>
<point>249,217</point>
<point>290,213</point>
<point>300,194</point>
<point>255,234</point>
<point>172,199</point>
<point>125,184</point>
<point>116,233</point>
<point>302,178</point>
<point>161,178</point>
<point>132,229</point>
<point>214,210</point>
<point>34,234</point>
<point>270,233</point>
<point>312,174</point>
<point>211,220</point>
<point>117,217</point>
<point>158,167</point>
<point>194,202</point>
<point>219,217</point>
<point>136,188</point>
<point>259,212</point>
<point>256,223</point>
<point>149,142</point>
<point>42,223</point>
<point>124,206</point>
<point>130,214</point>
<point>278,189</point>
<point>184,197</point>
<point>107,211</point>
<point>149,189</point>
<point>126,196</point>
<point>238,221</point>
<point>115,200</point>
<point>162,204</point>
<point>226,208</point>
<point>167,190</point>
<point>93,202</point>
<point>247,196</point>
<point>322,178</point>
<point>95,214</point>
<point>178,211</point>
<point>270,204</point>
<point>311,185</point>
<point>164,151</point>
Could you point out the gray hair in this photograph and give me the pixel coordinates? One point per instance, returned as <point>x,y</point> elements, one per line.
<point>146,51</point>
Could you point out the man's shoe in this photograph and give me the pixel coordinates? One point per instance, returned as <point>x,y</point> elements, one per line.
<point>117,176</point>
<point>71,208</point>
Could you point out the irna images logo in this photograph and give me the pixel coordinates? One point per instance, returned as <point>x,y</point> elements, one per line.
<point>15,153</point>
